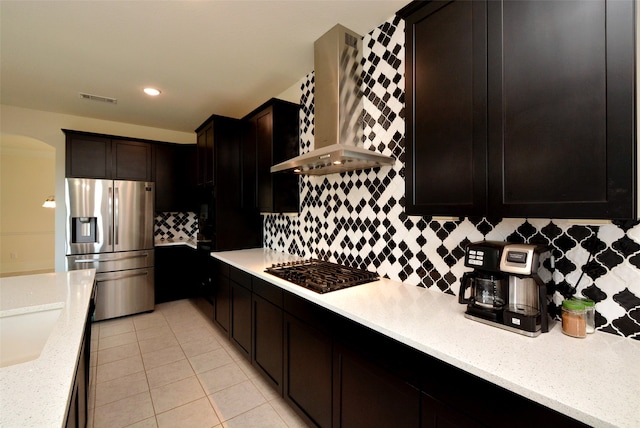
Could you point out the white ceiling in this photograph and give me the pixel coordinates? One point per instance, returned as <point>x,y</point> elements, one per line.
<point>217,56</point>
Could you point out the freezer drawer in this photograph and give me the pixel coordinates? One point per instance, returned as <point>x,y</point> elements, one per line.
<point>124,293</point>
<point>110,262</point>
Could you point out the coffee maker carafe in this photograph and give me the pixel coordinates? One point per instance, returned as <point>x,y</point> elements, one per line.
<point>488,287</point>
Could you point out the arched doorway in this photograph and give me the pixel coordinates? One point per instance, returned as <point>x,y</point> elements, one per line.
<point>27,229</point>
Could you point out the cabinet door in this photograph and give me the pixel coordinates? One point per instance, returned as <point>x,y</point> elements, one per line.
<point>268,340</point>
<point>446,103</point>
<point>78,410</point>
<point>131,160</point>
<point>205,143</point>
<point>241,318</point>
<point>248,189</point>
<point>222,302</point>
<point>175,273</point>
<point>166,178</point>
<point>366,395</point>
<point>264,142</point>
<point>88,156</point>
<point>308,354</point>
<point>436,414</point>
<point>286,145</point>
<point>275,128</point>
<point>174,182</point>
<point>561,115</point>
<point>163,278</point>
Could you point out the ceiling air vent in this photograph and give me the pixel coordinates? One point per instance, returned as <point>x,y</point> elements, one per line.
<point>98,98</point>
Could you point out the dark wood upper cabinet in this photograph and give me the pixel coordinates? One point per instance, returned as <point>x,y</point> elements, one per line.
<point>272,133</point>
<point>90,155</point>
<point>222,179</point>
<point>132,160</point>
<point>561,109</point>
<point>520,109</point>
<point>446,94</point>
<point>218,141</point>
<point>205,172</point>
<point>87,156</point>
<point>175,177</point>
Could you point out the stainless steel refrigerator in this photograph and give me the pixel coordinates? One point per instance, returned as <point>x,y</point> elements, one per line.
<point>110,228</point>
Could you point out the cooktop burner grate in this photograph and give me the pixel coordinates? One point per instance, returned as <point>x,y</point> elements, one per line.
<point>321,276</point>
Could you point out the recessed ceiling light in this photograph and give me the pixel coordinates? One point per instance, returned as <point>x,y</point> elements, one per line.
<point>151,91</point>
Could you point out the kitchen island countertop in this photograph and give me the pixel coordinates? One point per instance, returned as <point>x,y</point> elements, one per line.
<point>595,380</point>
<point>36,393</point>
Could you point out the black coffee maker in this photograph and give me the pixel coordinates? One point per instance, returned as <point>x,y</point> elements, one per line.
<point>505,289</point>
<point>488,286</point>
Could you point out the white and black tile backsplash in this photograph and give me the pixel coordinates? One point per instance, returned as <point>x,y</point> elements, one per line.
<point>358,218</point>
<point>175,225</point>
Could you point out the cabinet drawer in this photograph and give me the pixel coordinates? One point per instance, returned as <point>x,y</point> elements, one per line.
<point>312,314</point>
<point>240,277</point>
<point>268,292</point>
<point>220,268</point>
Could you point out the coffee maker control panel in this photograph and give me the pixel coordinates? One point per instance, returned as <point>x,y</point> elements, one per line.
<point>520,259</point>
<point>484,255</point>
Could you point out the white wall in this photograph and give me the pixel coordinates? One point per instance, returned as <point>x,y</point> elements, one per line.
<point>46,127</point>
<point>27,230</point>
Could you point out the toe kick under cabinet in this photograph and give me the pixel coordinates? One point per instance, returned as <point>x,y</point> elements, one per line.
<point>335,372</point>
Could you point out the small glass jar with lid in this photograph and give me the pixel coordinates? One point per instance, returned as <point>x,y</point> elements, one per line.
<point>574,318</point>
<point>590,312</point>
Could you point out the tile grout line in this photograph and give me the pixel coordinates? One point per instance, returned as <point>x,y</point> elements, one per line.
<point>146,376</point>
<point>174,328</point>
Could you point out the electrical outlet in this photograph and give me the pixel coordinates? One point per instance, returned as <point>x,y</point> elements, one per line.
<point>13,256</point>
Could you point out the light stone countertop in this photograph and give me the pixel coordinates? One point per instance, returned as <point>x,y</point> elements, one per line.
<point>191,243</point>
<point>595,380</point>
<point>36,393</point>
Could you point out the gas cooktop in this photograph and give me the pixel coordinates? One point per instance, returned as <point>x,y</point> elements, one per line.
<point>321,276</point>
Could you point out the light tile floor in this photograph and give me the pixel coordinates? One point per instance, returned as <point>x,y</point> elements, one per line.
<point>173,368</point>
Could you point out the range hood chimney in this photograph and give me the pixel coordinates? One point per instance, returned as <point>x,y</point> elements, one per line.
<point>338,110</point>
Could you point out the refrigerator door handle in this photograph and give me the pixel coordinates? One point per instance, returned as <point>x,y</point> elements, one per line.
<point>110,234</point>
<point>116,207</point>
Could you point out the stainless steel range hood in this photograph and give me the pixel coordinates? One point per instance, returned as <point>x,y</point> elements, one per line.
<point>338,110</point>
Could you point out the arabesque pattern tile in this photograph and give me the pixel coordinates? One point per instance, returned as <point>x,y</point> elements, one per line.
<point>357,218</point>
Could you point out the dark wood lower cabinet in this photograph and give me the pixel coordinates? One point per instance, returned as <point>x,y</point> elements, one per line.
<point>435,414</point>
<point>175,273</point>
<point>221,302</point>
<point>240,333</point>
<point>268,333</point>
<point>335,372</point>
<point>366,395</point>
<point>308,371</point>
<point>78,409</point>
